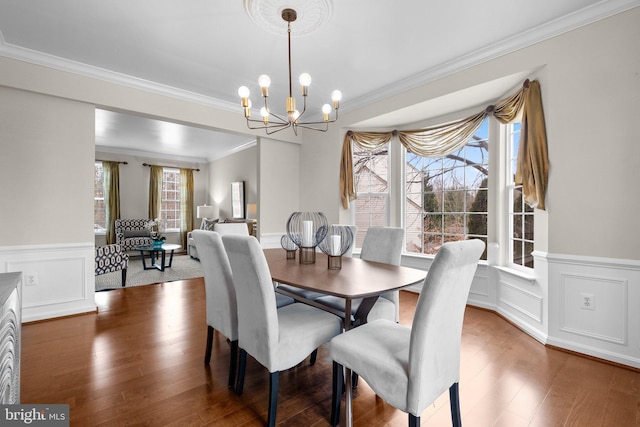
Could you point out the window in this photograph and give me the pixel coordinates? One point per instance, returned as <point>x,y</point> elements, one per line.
<point>170,205</point>
<point>446,197</point>
<point>520,214</point>
<point>99,211</point>
<point>371,175</point>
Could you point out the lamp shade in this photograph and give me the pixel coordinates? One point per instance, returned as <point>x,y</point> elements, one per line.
<point>252,211</point>
<point>206,212</point>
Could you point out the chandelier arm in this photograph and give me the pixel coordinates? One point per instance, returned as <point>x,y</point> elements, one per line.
<point>320,122</point>
<point>275,123</point>
<point>278,117</point>
<point>266,126</point>
<point>269,131</point>
<point>306,126</point>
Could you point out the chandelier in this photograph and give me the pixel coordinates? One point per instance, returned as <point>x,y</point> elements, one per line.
<point>272,122</point>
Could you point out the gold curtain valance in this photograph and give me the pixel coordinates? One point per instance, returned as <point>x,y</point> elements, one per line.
<point>440,140</point>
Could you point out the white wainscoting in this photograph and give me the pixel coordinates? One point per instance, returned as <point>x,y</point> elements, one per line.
<point>271,241</point>
<point>610,327</point>
<point>547,305</point>
<point>65,278</point>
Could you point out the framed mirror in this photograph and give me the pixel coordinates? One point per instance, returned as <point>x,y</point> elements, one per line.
<point>237,200</point>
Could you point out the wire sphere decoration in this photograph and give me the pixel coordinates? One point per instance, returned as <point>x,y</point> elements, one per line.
<point>289,246</point>
<point>307,229</point>
<point>337,243</point>
<point>338,240</point>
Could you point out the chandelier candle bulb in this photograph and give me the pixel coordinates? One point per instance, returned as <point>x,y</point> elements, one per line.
<point>264,81</point>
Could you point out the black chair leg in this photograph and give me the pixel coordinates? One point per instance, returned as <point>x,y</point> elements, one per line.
<point>241,368</point>
<point>233,363</point>
<point>414,421</point>
<point>336,397</point>
<point>207,352</point>
<point>354,380</point>
<point>273,398</point>
<point>314,355</point>
<point>124,277</point>
<point>454,400</point>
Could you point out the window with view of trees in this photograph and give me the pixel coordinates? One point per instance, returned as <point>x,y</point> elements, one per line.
<point>371,179</point>
<point>99,212</point>
<point>521,215</point>
<point>446,197</point>
<point>170,205</point>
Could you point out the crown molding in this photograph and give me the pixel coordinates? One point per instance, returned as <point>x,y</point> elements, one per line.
<point>598,11</point>
<point>583,17</point>
<point>39,58</point>
<point>150,154</point>
<point>218,154</point>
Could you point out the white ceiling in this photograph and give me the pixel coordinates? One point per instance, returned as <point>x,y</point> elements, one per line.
<point>206,49</point>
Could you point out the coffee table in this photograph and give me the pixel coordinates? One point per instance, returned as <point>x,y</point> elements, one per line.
<point>153,252</point>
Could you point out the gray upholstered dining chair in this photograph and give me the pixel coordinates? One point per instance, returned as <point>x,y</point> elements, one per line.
<point>410,367</point>
<point>278,338</point>
<point>241,229</point>
<point>220,295</point>
<point>381,244</point>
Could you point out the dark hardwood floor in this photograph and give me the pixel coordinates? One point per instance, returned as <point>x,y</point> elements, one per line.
<point>139,361</point>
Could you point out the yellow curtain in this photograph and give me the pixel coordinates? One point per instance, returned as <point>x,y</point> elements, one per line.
<point>533,162</point>
<point>437,141</point>
<point>186,204</point>
<point>155,191</point>
<point>111,182</point>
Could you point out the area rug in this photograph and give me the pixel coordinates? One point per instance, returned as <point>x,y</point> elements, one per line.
<point>183,267</point>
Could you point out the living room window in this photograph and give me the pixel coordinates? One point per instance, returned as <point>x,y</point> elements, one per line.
<point>446,197</point>
<point>170,205</point>
<point>371,178</point>
<point>521,216</point>
<point>99,210</point>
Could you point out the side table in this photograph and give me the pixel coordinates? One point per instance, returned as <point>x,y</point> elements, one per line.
<point>153,251</point>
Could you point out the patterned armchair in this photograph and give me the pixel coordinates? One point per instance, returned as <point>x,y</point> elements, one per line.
<point>111,258</point>
<point>132,232</point>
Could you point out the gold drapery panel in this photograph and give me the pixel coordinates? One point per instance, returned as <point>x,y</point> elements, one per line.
<point>186,204</point>
<point>533,162</point>
<point>155,191</point>
<point>111,182</point>
<point>440,140</point>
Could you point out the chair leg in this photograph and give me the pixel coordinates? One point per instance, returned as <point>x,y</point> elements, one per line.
<point>241,368</point>
<point>124,277</point>
<point>336,396</point>
<point>207,352</point>
<point>273,398</point>
<point>233,363</point>
<point>414,421</point>
<point>314,355</point>
<point>354,379</point>
<point>454,399</point>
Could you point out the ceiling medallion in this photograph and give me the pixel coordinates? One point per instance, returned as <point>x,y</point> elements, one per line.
<point>268,14</point>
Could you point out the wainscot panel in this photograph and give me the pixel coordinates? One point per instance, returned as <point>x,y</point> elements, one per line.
<point>57,280</point>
